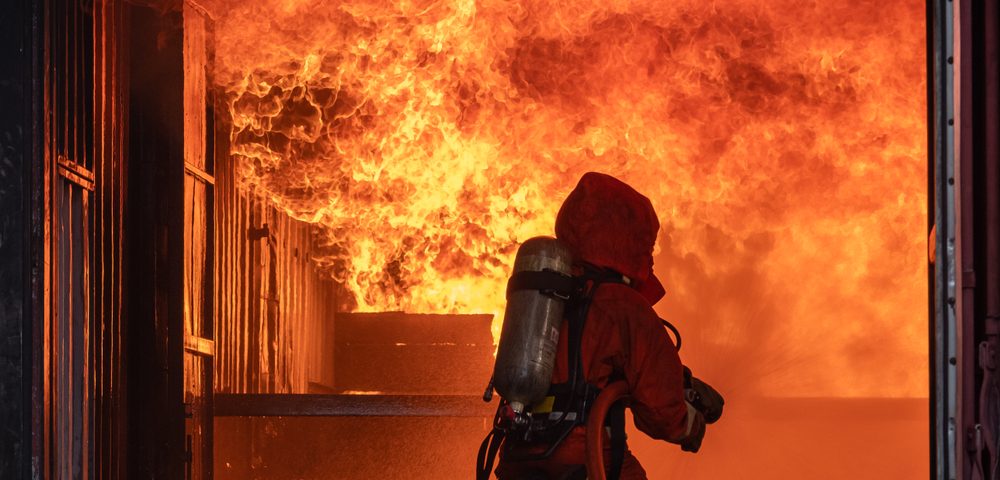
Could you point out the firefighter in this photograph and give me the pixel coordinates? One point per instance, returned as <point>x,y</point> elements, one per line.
<point>608,225</point>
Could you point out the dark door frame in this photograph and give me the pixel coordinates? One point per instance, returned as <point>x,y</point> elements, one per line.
<point>955,336</point>
<point>21,239</point>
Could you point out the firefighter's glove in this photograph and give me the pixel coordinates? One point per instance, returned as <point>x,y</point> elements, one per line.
<point>695,431</point>
<point>705,399</point>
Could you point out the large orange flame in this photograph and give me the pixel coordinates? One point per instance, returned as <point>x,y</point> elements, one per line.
<point>782,143</point>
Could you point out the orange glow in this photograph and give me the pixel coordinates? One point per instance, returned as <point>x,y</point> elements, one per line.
<point>782,143</point>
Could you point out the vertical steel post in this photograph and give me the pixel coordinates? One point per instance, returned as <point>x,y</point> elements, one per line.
<point>942,198</point>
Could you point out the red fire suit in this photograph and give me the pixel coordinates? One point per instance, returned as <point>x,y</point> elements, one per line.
<point>607,223</point>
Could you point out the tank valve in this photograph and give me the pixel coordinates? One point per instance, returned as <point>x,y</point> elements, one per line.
<point>488,394</point>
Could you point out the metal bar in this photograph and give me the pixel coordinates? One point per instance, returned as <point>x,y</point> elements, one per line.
<point>268,345</point>
<point>210,307</point>
<point>312,405</point>
<point>75,178</point>
<point>197,5</point>
<point>76,168</point>
<point>117,119</point>
<point>103,229</point>
<point>199,345</point>
<point>75,58</point>
<point>930,21</point>
<point>941,181</point>
<point>255,313</point>
<point>90,61</point>
<point>51,256</point>
<point>64,416</point>
<point>85,361</point>
<point>199,173</point>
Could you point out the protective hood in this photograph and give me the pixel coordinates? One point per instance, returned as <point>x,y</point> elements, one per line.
<point>607,223</point>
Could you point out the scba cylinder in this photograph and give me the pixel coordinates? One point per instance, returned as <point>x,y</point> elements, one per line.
<point>537,294</point>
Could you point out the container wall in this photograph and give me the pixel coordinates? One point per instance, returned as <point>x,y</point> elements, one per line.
<point>274,331</point>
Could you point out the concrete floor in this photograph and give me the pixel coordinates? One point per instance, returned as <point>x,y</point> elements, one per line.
<point>814,439</point>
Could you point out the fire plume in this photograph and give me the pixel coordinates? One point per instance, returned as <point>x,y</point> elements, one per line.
<point>782,143</point>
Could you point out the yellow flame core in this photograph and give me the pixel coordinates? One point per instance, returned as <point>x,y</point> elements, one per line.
<point>426,139</point>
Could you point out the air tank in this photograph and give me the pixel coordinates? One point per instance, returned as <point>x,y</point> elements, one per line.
<point>532,320</point>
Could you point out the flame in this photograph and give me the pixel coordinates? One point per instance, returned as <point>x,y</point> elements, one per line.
<point>782,143</point>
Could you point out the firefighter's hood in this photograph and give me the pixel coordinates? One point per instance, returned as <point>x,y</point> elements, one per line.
<point>607,223</point>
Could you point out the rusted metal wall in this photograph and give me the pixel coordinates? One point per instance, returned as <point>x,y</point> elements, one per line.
<point>109,196</point>
<point>63,157</point>
<point>302,320</point>
<point>233,281</point>
<point>274,328</point>
<point>83,349</point>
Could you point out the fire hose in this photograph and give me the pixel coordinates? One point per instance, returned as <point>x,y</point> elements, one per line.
<point>611,394</point>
